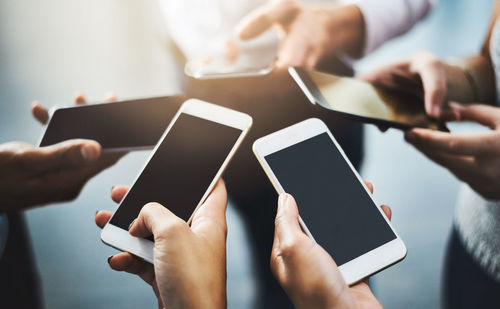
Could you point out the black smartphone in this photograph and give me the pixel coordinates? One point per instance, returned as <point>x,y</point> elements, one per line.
<point>117,126</point>
<point>363,101</point>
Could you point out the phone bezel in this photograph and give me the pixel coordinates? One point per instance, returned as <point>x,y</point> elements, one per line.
<point>364,265</point>
<point>119,238</point>
<point>311,91</point>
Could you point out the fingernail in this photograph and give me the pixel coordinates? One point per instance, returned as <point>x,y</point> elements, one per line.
<point>436,110</point>
<point>97,212</point>
<point>112,188</point>
<point>455,105</point>
<point>109,258</point>
<point>132,223</point>
<point>89,152</point>
<point>282,202</point>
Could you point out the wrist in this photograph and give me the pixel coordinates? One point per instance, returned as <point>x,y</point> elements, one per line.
<point>460,84</point>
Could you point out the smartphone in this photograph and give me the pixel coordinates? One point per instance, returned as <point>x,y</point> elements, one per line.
<point>336,209</point>
<point>239,60</point>
<point>182,170</point>
<point>118,126</point>
<point>363,101</point>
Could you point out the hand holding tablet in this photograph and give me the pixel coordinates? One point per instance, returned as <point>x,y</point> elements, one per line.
<point>365,102</point>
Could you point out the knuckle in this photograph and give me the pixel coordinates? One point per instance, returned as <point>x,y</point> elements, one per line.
<point>288,247</point>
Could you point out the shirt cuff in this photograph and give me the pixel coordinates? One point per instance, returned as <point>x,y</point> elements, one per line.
<point>387,19</point>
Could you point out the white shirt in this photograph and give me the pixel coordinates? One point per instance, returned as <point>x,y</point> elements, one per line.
<point>201,27</point>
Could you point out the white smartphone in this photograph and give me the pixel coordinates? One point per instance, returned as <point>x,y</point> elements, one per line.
<point>336,208</point>
<point>185,165</point>
<point>118,126</point>
<point>241,60</point>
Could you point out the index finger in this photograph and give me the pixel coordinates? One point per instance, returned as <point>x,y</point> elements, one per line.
<point>263,18</point>
<point>469,144</point>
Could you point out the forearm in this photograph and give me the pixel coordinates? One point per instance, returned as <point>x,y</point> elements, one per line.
<point>384,20</point>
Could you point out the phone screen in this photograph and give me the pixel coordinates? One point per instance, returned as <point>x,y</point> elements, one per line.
<point>181,170</point>
<point>362,99</point>
<point>332,202</point>
<point>120,125</point>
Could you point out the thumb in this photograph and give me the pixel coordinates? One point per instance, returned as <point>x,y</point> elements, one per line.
<point>210,218</point>
<point>486,115</point>
<point>72,153</point>
<point>264,17</point>
<point>287,219</point>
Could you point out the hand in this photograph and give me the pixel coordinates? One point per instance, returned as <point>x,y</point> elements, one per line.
<point>306,271</point>
<point>426,77</point>
<point>34,176</point>
<point>311,35</point>
<point>473,158</point>
<point>189,268</point>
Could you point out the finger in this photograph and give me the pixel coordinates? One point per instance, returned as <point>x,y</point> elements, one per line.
<point>110,97</point>
<point>469,144</point>
<point>387,211</point>
<point>287,219</point>
<point>102,217</point>
<point>369,185</point>
<point>433,76</point>
<point>480,113</point>
<point>118,192</point>
<point>211,216</point>
<point>458,165</point>
<point>127,262</point>
<point>79,99</point>
<point>64,155</point>
<point>263,18</point>
<point>39,112</point>
<point>154,219</point>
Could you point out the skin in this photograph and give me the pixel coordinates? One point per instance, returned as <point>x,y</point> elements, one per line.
<point>473,157</point>
<point>306,271</point>
<point>33,176</point>
<point>451,92</point>
<point>189,268</point>
<point>196,257</point>
<point>336,28</point>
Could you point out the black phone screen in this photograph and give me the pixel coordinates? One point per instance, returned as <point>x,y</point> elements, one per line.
<point>333,204</point>
<point>127,124</point>
<point>181,169</point>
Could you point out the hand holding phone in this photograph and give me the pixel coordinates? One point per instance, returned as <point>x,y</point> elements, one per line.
<point>362,101</point>
<point>192,256</point>
<point>182,170</point>
<point>306,271</point>
<point>337,210</point>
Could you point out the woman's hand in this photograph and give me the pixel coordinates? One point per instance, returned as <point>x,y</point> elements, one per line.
<point>426,77</point>
<point>310,34</point>
<point>189,268</point>
<point>306,271</point>
<point>473,158</point>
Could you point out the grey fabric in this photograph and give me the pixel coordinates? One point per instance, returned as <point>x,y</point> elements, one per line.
<point>478,220</point>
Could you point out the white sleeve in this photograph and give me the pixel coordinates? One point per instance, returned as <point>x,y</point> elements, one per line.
<point>386,19</point>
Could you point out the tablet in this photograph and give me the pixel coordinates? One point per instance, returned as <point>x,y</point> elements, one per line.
<point>363,101</point>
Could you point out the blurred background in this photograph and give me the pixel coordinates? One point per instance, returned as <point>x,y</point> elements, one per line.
<point>51,49</point>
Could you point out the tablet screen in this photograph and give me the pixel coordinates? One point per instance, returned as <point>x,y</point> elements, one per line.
<point>362,99</point>
<point>333,204</point>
